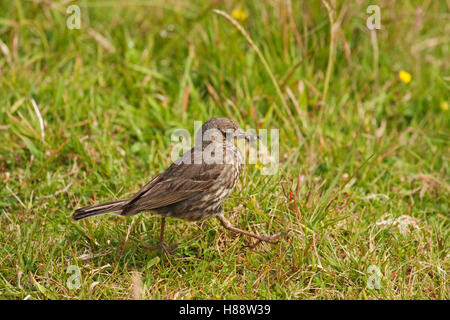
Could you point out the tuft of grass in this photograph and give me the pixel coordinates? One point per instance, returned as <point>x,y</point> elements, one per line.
<point>86,116</point>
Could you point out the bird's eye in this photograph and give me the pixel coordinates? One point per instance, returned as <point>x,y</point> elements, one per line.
<point>226,133</point>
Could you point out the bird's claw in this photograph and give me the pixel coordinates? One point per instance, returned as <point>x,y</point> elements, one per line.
<point>267,239</point>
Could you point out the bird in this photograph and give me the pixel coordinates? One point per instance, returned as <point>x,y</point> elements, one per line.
<point>194,186</point>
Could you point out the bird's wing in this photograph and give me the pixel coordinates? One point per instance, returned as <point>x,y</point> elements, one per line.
<point>179,182</point>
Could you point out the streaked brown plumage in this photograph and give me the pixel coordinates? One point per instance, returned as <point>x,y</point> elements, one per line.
<point>194,186</point>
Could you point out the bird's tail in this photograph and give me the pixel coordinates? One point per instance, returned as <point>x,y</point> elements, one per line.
<point>99,209</point>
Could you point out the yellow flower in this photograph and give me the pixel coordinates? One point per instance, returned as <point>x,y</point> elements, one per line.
<point>218,296</point>
<point>258,166</point>
<point>404,76</point>
<point>444,105</point>
<point>239,14</point>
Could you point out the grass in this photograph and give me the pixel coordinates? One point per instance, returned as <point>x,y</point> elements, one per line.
<point>357,146</point>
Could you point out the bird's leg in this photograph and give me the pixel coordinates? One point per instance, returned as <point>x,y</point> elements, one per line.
<point>270,239</point>
<point>161,233</point>
<point>161,245</point>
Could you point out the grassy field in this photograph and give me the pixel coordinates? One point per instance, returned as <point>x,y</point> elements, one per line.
<point>363,181</point>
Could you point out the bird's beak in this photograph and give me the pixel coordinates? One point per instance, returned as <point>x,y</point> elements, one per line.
<point>241,134</point>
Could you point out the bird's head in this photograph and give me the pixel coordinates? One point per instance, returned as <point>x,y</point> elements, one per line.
<point>222,129</point>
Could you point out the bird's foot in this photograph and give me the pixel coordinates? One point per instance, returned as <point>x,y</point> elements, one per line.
<point>269,239</point>
<point>165,248</point>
